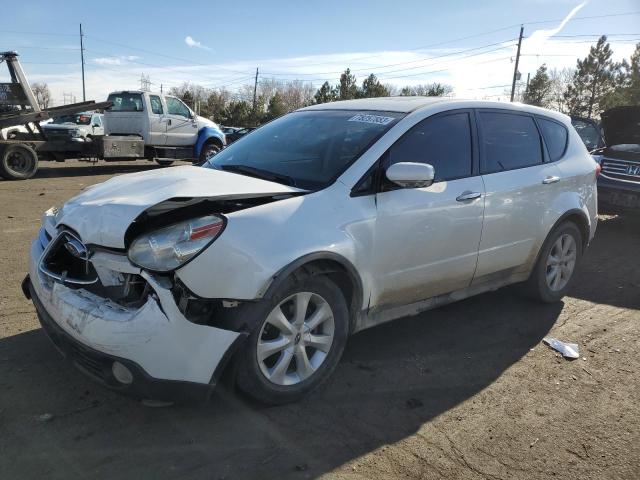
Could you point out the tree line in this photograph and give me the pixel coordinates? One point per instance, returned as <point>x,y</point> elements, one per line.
<point>595,85</point>
<point>275,98</point>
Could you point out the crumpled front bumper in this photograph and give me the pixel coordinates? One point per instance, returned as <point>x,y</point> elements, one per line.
<point>155,341</point>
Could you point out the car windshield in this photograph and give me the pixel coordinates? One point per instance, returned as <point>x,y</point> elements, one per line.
<point>81,119</point>
<point>307,149</point>
<point>588,133</point>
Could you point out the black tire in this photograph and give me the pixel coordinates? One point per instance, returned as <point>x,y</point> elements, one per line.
<point>164,163</point>
<point>18,162</point>
<point>537,286</point>
<point>210,148</point>
<point>249,377</point>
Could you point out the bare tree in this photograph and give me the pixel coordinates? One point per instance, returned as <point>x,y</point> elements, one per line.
<point>42,94</point>
<point>560,80</point>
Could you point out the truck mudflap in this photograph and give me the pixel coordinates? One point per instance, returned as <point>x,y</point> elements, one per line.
<point>122,147</point>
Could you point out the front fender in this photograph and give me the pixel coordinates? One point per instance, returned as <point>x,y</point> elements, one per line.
<point>204,134</point>
<point>261,244</point>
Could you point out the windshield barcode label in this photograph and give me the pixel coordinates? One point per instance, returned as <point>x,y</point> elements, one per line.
<point>377,119</point>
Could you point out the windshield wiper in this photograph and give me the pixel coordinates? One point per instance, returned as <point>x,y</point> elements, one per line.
<point>259,173</point>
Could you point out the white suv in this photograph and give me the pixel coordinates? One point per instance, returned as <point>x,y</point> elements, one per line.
<point>327,221</point>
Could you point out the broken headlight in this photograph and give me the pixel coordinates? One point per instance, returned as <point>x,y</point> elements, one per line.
<point>171,247</point>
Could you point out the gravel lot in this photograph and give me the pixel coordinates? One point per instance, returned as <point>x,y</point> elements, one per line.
<point>466,391</point>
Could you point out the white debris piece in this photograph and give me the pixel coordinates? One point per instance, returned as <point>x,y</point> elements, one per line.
<point>568,350</point>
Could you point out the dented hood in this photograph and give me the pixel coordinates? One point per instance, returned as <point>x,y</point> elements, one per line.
<point>102,213</point>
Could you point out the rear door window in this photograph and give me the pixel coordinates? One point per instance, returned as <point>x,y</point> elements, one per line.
<point>156,104</point>
<point>509,141</point>
<point>443,141</point>
<point>126,102</point>
<point>555,138</point>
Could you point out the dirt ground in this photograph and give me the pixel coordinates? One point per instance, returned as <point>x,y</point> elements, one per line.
<point>466,391</point>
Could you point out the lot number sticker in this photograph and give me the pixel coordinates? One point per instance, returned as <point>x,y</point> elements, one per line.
<point>376,119</point>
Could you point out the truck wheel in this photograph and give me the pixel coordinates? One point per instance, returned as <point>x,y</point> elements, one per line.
<point>164,163</point>
<point>18,162</point>
<point>209,149</point>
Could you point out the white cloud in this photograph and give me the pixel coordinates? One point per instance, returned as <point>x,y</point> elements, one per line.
<point>191,42</point>
<point>119,60</point>
<point>539,37</point>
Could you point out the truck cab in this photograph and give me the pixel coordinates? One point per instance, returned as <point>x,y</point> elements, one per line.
<point>169,129</point>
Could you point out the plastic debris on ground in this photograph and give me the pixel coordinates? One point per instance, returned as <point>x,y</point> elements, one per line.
<point>568,350</point>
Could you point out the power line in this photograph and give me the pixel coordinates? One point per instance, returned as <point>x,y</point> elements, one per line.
<point>405,63</point>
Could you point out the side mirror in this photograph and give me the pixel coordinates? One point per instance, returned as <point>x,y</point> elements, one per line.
<point>411,175</point>
<point>95,125</point>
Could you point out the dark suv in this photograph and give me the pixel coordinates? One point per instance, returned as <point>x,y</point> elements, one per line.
<point>618,153</point>
<point>619,181</point>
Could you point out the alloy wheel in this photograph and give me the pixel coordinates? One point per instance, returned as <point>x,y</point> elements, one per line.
<point>561,262</point>
<point>295,338</point>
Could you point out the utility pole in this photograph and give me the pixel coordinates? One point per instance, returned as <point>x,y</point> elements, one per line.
<point>255,91</point>
<point>515,70</point>
<point>84,96</point>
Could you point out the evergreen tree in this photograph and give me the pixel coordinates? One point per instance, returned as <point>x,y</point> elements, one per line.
<point>325,94</point>
<point>371,87</point>
<point>539,88</point>
<point>428,90</point>
<point>347,89</point>
<point>276,107</point>
<point>593,80</point>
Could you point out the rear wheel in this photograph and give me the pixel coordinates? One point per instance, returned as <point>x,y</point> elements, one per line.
<point>18,162</point>
<point>298,340</point>
<point>554,271</point>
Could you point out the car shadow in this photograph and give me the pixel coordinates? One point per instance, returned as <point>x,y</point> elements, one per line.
<point>610,274</point>
<point>392,380</point>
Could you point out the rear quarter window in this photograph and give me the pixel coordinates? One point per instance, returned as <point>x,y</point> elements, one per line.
<point>555,137</point>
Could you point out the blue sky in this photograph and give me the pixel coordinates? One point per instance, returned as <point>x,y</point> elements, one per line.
<point>221,43</point>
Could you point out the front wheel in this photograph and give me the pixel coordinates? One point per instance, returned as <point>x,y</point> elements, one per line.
<point>555,269</point>
<point>209,149</point>
<point>18,162</point>
<point>298,340</point>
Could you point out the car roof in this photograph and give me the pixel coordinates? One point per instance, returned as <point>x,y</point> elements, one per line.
<point>410,104</point>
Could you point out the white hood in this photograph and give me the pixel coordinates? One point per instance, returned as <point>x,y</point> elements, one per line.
<point>102,213</point>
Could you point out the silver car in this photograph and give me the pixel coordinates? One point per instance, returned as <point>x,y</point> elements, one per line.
<point>327,221</point>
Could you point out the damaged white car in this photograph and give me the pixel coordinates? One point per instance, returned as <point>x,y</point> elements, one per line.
<point>324,222</point>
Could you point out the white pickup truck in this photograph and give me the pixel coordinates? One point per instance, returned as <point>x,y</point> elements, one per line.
<point>157,127</point>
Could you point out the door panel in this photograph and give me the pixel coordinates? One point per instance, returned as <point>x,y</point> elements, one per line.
<point>426,239</point>
<point>514,208</point>
<point>157,121</point>
<point>519,184</point>
<point>181,130</point>
<point>426,242</point>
